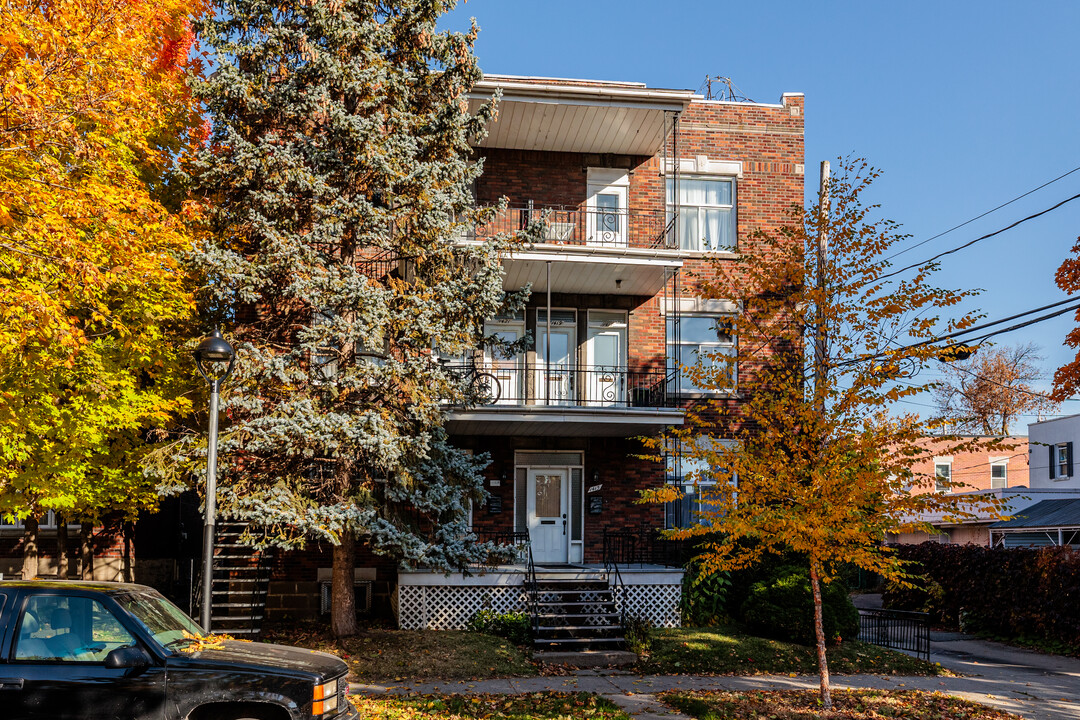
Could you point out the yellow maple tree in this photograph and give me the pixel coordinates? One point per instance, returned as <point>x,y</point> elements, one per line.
<point>815,459</point>
<point>94,112</point>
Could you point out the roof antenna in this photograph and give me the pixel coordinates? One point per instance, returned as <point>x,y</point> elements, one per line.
<point>725,90</point>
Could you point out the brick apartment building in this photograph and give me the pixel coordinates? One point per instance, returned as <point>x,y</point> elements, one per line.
<point>632,187</point>
<point>627,190</point>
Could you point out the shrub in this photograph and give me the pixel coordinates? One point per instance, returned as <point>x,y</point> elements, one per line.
<point>782,607</point>
<point>514,626</point>
<point>1025,594</point>
<point>704,597</point>
<point>638,633</point>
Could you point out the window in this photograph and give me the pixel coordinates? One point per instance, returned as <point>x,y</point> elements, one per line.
<point>58,628</point>
<point>707,341</point>
<point>706,213</point>
<point>942,475</point>
<point>700,493</point>
<point>46,523</point>
<point>1061,462</point>
<point>999,475</point>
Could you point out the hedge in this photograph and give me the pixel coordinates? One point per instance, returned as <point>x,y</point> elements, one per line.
<point>1030,594</point>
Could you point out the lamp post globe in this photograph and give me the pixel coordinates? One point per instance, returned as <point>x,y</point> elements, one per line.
<point>212,353</point>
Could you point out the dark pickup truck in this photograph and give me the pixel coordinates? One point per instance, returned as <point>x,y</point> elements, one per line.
<point>109,651</point>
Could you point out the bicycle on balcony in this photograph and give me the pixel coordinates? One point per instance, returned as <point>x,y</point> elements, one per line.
<point>480,386</point>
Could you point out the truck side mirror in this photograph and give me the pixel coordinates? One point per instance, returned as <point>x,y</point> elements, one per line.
<point>127,657</point>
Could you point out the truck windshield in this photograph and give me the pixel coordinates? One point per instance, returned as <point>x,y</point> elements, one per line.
<point>166,622</point>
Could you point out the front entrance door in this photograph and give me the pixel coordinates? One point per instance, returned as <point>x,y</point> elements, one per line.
<point>547,506</point>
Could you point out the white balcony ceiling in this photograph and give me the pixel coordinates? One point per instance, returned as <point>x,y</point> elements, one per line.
<point>561,421</point>
<point>588,270</point>
<point>619,118</point>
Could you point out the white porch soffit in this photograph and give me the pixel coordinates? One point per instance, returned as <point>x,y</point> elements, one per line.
<point>590,270</point>
<point>592,117</point>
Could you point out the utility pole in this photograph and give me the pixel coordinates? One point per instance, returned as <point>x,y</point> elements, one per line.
<point>820,336</point>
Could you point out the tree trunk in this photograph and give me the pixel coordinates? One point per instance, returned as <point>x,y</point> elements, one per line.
<point>61,547</point>
<point>30,548</point>
<point>86,550</point>
<point>819,634</point>
<point>342,593</point>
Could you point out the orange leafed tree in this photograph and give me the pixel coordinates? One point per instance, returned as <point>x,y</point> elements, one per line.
<point>1067,377</point>
<point>815,460</point>
<point>94,111</point>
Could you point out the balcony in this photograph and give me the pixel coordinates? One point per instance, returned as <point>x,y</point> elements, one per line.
<point>528,398</point>
<point>586,250</point>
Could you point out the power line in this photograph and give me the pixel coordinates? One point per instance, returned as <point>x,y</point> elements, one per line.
<point>976,328</point>
<point>977,217</point>
<point>978,239</point>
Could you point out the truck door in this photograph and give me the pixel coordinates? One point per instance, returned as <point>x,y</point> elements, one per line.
<point>55,664</point>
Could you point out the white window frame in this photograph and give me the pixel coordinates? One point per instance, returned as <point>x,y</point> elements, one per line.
<point>948,475</point>
<point>1002,463</point>
<point>686,209</point>
<point>687,474</point>
<point>1061,461</point>
<point>680,385</point>
<point>9,522</point>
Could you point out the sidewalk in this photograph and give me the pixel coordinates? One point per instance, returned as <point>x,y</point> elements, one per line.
<point>1036,686</point>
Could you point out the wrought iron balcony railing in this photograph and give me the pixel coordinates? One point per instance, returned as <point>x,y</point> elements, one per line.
<point>511,382</point>
<point>588,227</point>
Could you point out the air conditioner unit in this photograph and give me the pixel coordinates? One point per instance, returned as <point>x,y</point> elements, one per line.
<point>362,588</point>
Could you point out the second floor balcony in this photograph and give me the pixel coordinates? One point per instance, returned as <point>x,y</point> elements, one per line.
<point>518,397</point>
<point>597,228</point>
<point>586,249</point>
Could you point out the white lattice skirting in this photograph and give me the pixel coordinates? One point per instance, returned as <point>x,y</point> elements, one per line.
<point>659,604</point>
<point>449,606</point>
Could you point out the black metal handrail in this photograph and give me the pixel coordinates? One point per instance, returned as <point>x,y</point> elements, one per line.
<point>594,227</point>
<point>896,629</point>
<point>615,580</point>
<point>519,382</point>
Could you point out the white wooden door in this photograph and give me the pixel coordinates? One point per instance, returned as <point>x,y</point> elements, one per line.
<point>608,218</point>
<point>555,380</point>
<point>547,506</point>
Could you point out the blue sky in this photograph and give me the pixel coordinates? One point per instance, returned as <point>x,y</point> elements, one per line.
<point>963,105</point>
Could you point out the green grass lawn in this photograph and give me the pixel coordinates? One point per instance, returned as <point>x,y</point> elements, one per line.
<point>376,655</point>
<point>726,650</point>
<point>847,705</point>
<point>536,706</point>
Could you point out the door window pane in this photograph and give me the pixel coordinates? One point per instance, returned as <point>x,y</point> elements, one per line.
<point>548,495</point>
<point>68,629</point>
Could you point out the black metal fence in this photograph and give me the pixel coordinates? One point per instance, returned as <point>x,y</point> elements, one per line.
<point>644,546</point>
<point>601,227</point>
<point>516,382</point>
<point>896,629</point>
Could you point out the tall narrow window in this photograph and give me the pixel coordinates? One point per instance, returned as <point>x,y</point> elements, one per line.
<point>706,213</point>
<point>942,476</point>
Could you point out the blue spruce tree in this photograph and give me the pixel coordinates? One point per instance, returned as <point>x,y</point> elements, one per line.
<point>336,179</point>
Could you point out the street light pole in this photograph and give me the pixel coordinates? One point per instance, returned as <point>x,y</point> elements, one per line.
<point>211,349</point>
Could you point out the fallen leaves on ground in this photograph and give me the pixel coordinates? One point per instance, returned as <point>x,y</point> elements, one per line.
<point>534,706</point>
<point>847,705</point>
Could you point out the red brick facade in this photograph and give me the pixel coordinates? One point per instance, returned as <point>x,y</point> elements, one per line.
<point>766,140</point>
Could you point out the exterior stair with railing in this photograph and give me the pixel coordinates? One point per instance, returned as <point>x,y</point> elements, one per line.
<point>241,577</point>
<point>575,614</point>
